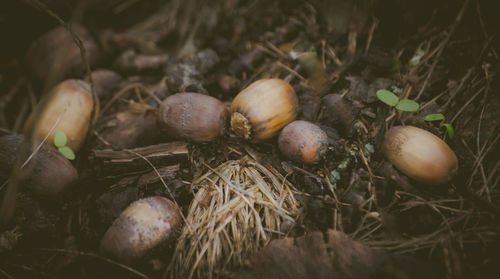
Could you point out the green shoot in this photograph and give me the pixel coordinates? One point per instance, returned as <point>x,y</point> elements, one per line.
<point>67,152</point>
<point>391,99</point>
<point>60,141</point>
<point>407,105</point>
<point>396,90</point>
<point>415,60</point>
<point>387,97</point>
<point>442,118</point>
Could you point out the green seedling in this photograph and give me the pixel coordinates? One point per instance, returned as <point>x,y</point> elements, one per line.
<point>60,140</point>
<point>417,58</point>
<point>442,118</point>
<point>391,99</point>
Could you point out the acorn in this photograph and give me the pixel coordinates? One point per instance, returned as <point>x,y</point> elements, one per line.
<point>338,112</point>
<point>303,142</point>
<point>69,104</point>
<point>192,116</point>
<point>104,82</point>
<point>263,108</point>
<point>129,130</point>
<point>420,154</point>
<point>142,226</point>
<point>49,173</point>
<point>54,56</point>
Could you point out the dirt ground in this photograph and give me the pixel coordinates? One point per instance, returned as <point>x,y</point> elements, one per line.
<point>353,214</point>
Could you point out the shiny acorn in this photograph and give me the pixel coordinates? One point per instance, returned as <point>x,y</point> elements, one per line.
<point>420,154</point>
<point>192,116</point>
<point>49,174</point>
<point>303,142</point>
<point>67,107</point>
<point>142,226</point>
<point>263,108</point>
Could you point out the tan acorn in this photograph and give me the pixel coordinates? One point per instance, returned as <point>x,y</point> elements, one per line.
<point>420,154</point>
<point>66,107</point>
<point>142,226</point>
<point>263,108</point>
<point>192,116</point>
<point>303,142</point>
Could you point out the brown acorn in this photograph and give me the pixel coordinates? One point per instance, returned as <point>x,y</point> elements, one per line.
<point>104,82</point>
<point>263,108</point>
<point>54,56</point>
<point>69,104</point>
<point>303,142</point>
<point>49,173</point>
<point>420,154</point>
<point>129,130</point>
<point>337,111</point>
<point>142,226</point>
<point>192,116</point>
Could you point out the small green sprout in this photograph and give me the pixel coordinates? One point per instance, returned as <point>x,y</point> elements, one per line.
<point>368,150</point>
<point>391,99</point>
<point>442,118</point>
<point>60,140</point>
<point>397,90</point>
<point>334,177</point>
<point>415,60</point>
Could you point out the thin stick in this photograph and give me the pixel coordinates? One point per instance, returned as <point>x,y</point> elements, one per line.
<point>442,46</point>
<point>79,253</point>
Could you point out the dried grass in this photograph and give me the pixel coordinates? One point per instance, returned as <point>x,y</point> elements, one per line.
<point>238,208</point>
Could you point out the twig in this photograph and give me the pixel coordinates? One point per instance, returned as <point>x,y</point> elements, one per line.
<point>442,46</point>
<point>370,35</point>
<point>4,273</point>
<point>466,104</point>
<point>142,275</point>
<point>292,71</point>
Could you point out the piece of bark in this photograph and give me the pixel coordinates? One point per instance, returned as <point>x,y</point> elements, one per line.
<point>110,161</point>
<point>166,173</point>
<point>332,255</point>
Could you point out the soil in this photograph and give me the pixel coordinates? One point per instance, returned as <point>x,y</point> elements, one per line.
<point>337,54</point>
